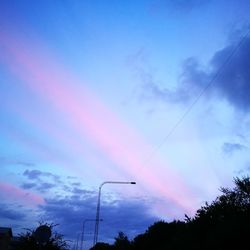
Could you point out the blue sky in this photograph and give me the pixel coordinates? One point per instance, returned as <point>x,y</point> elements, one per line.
<point>90,91</point>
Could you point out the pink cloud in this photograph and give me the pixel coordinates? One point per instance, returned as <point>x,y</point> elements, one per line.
<point>91,119</point>
<point>9,191</point>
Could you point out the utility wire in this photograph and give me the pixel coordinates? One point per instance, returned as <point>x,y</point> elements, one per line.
<point>202,92</point>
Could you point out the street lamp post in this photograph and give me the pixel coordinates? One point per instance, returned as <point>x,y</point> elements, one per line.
<point>83,227</point>
<point>98,205</point>
<point>77,241</point>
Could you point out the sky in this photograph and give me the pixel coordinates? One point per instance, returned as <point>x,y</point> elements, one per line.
<point>155,92</point>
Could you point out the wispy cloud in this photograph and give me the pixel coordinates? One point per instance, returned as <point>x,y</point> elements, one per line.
<point>25,164</point>
<point>231,148</point>
<point>37,174</point>
<point>9,191</point>
<point>8,161</point>
<point>244,171</point>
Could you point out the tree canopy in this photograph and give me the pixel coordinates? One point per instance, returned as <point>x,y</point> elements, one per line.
<point>28,241</point>
<point>223,224</point>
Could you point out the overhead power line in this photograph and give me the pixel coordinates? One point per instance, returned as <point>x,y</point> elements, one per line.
<point>202,92</point>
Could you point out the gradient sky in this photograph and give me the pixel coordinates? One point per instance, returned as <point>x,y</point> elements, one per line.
<point>90,91</point>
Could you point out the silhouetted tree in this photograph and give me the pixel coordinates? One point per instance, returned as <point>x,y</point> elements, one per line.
<point>221,225</point>
<point>27,241</point>
<point>122,242</point>
<point>161,235</point>
<point>224,223</point>
<point>102,246</point>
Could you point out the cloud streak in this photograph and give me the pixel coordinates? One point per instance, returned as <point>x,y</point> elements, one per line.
<point>230,148</point>
<point>93,120</point>
<point>8,191</point>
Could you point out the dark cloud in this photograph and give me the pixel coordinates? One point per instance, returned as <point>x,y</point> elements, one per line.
<point>81,191</point>
<point>244,171</point>
<point>69,208</point>
<point>32,174</point>
<point>39,186</point>
<point>187,88</point>
<point>230,148</point>
<point>66,188</point>
<point>41,181</point>
<point>153,92</point>
<point>228,72</point>
<point>129,216</point>
<point>45,186</point>
<point>11,214</point>
<point>25,164</point>
<point>71,177</point>
<point>73,204</point>
<point>193,78</point>
<point>37,174</point>
<point>233,81</point>
<point>7,161</point>
<point>75,183</point>
<point>28,185</point>
<point>45,181</point>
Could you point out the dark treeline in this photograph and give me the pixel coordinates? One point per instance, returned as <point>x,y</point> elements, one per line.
<point>223,224</point>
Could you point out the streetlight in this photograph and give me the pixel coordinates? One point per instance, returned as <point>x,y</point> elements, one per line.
<point>78,235</point>
<point>83,227</point>
<point>98,205</point>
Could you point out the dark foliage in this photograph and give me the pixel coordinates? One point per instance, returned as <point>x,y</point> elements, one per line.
<point>122,242</point>
<point>223,224</point>
<point>102,246</point>
<point>27,241</point>
<point>162,235</point>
